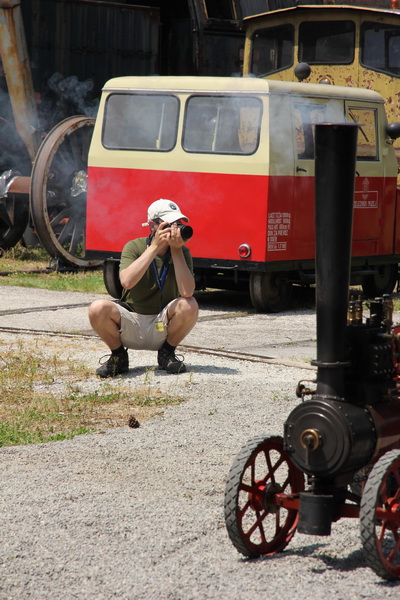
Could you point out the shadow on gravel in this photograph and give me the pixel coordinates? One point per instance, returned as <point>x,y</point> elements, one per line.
<point>238,300</point>
<point>138,371</point>
<point>229,300</point>
<point>212,369</point>
<point>388,584</point>
<point>303,552</point>
<point>303,298</point>
<point>355,560</point>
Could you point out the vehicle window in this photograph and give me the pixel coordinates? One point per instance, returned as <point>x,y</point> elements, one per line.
<point>272,49</point>
<point>326,42</point>
<point>224,9</point>
<point>367,147</point>
<point>140,122</point>
<point>380,48</point>
<point>222,124</point>
<point>305,116</point>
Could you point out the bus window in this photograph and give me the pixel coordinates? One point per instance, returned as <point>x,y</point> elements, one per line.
<point>140,122</point>
<point>326,42</point>
<point>305,117</point>
<point>380,48</point>
<point>222,124</point>
<point>367,148</point>
<point>272,49</point>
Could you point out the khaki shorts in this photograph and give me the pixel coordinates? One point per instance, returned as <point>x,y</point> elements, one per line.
<point>143,332</point>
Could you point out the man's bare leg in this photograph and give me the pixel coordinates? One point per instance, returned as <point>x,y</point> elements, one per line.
<point>105,319</point>
<point>182,315</point>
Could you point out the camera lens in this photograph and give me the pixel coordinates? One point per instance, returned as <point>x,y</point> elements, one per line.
<point>186,231</point>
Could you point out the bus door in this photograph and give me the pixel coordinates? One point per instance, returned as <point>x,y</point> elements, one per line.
<point>306,112</point>
<point>368,223</point>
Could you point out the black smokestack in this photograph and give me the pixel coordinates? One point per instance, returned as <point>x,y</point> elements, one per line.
<point>335,163</point>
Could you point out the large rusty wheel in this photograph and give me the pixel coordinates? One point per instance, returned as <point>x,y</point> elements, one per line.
<point>380,517</point>
<point>256,525</point>
<point>58,190</point>
<point>14,208</point>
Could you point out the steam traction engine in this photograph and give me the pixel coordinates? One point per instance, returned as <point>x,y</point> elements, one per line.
<point>345,435</point>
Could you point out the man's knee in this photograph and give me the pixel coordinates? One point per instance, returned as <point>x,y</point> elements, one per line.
<point>101,309</point>
<point>96,308</point>
<point>187,306</point>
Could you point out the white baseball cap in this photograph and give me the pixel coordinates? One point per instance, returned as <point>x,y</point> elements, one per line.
<point>166,210</point>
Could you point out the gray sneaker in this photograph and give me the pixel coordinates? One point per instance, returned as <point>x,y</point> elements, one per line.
<point>168,361</point>
<point>115,365</point>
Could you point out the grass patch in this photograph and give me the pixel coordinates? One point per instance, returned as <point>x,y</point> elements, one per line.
<point>87,281</point>
<point>34,410</point>
<point>24,258</point>
<point>19,260</point>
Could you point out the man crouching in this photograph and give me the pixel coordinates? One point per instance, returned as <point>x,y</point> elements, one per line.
<point>157,308</point>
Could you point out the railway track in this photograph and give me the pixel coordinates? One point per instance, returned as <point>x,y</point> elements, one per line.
<point>223,353</point>
<point>15,311</point>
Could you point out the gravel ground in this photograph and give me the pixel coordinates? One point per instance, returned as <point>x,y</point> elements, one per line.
<point>138,513</point>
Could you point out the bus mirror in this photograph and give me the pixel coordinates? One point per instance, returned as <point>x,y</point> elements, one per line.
<point>393,130</point>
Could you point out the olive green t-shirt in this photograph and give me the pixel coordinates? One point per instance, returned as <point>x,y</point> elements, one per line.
<point>145,297</point>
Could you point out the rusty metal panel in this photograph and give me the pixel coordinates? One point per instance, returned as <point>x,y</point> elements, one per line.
<point>253,7</point>
<point>250,8</point>
<point>222,15</point>
<point>221,56</point>
<point>90,40</point>
<point>15,66</point>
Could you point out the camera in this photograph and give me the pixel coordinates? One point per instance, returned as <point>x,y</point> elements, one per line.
<point>186,230</point>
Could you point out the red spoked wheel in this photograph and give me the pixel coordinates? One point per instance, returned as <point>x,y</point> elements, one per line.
<point>256,524</point>
<point>380,517</point>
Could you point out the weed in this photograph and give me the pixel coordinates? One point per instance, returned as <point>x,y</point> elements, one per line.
<point>32,410</point>
<point>16,435</point>
<point>277,396</point>
<point>191,380</point>
<point>22,253</point>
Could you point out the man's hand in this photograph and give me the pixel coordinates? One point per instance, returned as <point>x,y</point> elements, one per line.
<point>162,236</point>
<point>175,240</point>
<point>168,234</point>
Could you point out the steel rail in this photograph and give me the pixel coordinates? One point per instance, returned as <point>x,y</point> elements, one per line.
<point>230,354</point>
<point>18,311</point>
<point>9,311</point>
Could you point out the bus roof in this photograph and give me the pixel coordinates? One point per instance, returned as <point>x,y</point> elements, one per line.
<point>249,85</point>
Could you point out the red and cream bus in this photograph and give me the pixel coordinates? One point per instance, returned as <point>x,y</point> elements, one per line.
<point>237,155</point>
